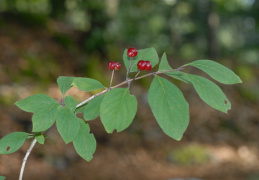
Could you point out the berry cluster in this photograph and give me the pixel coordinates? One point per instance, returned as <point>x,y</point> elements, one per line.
<point>114,65</point>
<point>144,65</point>
<point>132,52</point>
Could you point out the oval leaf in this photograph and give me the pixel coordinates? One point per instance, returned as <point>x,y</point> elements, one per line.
<point>45,117</point>
<point>67,125</point>
<point>2,177</point>
<point>87,84</point>
<point>12,142</point>
<point>169,107</point>
<point>210,93</point>
<point>70,102</point>
<point>149,54</point>
<point>217,71</point>
<point>35,102</point>
<point>92,110</point>
<point>65,83</point>
<point>118,109</point>
<point>85,143</point>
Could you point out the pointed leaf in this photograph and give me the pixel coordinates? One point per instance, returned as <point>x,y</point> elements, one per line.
<point>118,109</point>
<point>2,177</point>
<point>70,103</point>
<point>85,143</point>
<point>35,102</point>
<point>65,83</point>
<point>169,107</point>
<point>149,54</point>
<point>87,84</point>
<point>12,142</point>
<point>92,110</point>
<point>164,65</point>
<point>67,124</point>
<point>40,138</point>
<point>44,118</point>
<point>210,92</point>
<point>217,71</point>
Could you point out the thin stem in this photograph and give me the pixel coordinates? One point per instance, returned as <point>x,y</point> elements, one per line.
<point>111,78</point>
<point>125,82</point>
<point>26,157</point>
<point>135,77</point>
<point>92,97</point>
<point>127,78</point>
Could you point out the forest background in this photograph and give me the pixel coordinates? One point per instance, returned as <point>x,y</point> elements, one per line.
<point>43,39</point>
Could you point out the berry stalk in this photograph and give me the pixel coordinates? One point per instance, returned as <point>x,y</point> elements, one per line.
<point>111,79</point>
<point>135,77</point>
<point>132,52</point>
<point>127,78</point>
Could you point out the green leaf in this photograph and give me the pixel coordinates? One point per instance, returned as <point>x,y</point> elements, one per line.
<point>70,103</point>
<point>81,108</point>
<point>35,102</point>
<point>65,83</point>
<point>87,84</point>
<point>118,109</point>
<point>12,142</point>
<point>178,75</point>
<point>169,107</point>
<point>164,65</point>
<point>44,118</point>
<point>92,110</point>
<point>149,54</point>
<point>40,138</point>
<point>2,177</point>
<point>85,143</point>
<point>67,125</point>
<point>209,92</point>
<point>217,71</point>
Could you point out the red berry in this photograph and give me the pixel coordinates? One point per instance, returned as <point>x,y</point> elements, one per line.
<point>117,65</point>
<point>148,66</point>
<point>132,52</point>
<point>111,65</point>
<point>142,65</point>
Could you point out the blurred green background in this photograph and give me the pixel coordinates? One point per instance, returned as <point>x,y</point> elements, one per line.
<point>43,39</point>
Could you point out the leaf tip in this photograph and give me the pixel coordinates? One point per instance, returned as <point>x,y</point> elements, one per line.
<point>109,131</point>
<point>179,138</point>
<point>88,159</point>
<point>67,141</point>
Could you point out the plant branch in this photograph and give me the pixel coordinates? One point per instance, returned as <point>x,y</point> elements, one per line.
<point>26,157</point>
<point>126,82</point>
